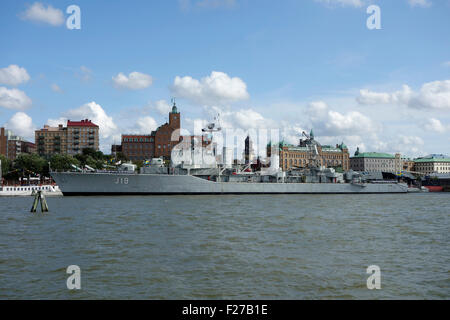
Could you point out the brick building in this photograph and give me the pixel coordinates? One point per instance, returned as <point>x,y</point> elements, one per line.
<point>12,145</point>
<point>3,142</point>
<point>80,135</point>
<point>299,156</point>
<point>51,140</point>
<point>116,148</point>
<point>157,144</point>
<point>71,139</point>
<point>18,146</point>
<point>408,164</point>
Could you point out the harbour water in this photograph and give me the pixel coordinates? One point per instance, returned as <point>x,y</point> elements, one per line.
<point>227,247</point>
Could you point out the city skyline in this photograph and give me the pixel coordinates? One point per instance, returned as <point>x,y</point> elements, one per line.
<point>381,90</point>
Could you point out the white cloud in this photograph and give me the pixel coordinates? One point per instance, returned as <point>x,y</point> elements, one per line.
<point>97,114</point>
<point>108,130</point>
<point>43,14</point>
<point>369,97</point>
<point>215,89</point>
<point>435,125</point>
<point>343,3</point>
<point>432,95</point>
<point>244,119</point>
<point>411,145</point>
<point>145,125</point>
<point>57,122</point>
<point>134,81</point>
<point>406,145</point>
<point>56,88</point>
<point>14,99</point>
<point>329,122</point>
<point>419,3</point>
<point>162,107</point>
<point>13,75</point>
<point>22,125</point>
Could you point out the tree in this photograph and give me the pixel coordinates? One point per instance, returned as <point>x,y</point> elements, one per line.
<point>97,155</point>
<point>62,162</point>
<point>139,164</point>
<point>6,165</point>
<point>121,157</point>
<point>31,163</point>
<point>90,161</point>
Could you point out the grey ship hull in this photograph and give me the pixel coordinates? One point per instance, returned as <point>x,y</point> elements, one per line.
<point>72,183</point>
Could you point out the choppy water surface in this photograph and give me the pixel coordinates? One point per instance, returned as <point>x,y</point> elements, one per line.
<point>227,247</point>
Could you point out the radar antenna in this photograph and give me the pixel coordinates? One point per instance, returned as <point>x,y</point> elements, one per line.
<point>213,126</point>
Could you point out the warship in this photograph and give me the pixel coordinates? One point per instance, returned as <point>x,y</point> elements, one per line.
<point>196,171</point>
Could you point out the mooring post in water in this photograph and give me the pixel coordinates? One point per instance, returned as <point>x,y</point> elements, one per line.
<point>39,196</point>
<point>35,202</point>
<point>44,206</point>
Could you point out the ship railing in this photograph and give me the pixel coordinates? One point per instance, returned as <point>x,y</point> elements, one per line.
<point>384,181</point>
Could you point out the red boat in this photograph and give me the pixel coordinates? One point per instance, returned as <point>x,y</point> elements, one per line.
<point>435,188</point>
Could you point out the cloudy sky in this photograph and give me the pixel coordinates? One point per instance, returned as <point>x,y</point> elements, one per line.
<point>288,64</point>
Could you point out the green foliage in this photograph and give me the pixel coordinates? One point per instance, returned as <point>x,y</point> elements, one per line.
<point>339,169</point>
<point>26,164</point>
<point>139,164</point>
<point>89,160</point>
<point>121,157</point>
<point>94,154</point>
<point>31,163</point>
<point>92,158</point>
<point>6,165</point>
<point>61,162</point>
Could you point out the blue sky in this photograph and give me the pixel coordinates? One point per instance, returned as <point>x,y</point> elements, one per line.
<point>284,64</point>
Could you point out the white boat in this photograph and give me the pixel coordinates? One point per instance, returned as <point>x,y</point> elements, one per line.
<point>47,190</point>
<point>417,189</point>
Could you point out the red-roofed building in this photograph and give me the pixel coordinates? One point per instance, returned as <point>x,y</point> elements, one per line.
<point>82,123</point>
<point>72,139</point>
<point>81,134</point>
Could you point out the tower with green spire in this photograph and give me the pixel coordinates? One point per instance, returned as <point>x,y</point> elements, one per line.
<point>311,134</point>
<point>174,117</point>
<point>174,107</point>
